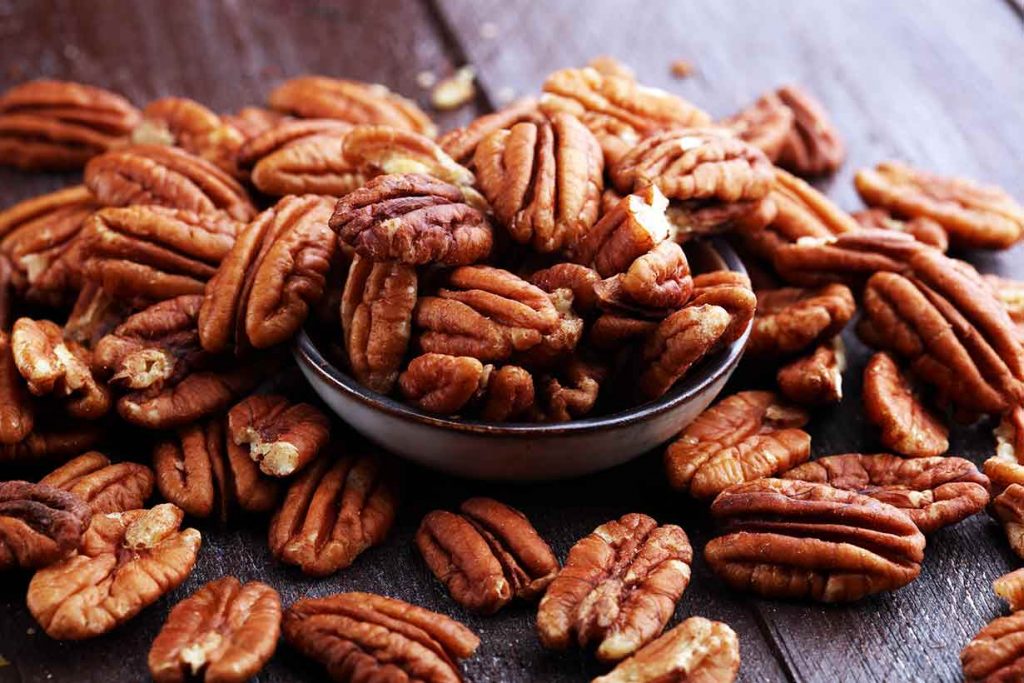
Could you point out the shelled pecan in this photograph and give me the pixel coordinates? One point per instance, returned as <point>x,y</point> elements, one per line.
<point>96,313</point>
<point>993,654</point>
<point>47,441</point>
<point>813,146</point>
<point>632,227</point>
<point>186,123</point>
<point>1006,467</point>
<point>849,258</point>
<point>126,562</point>
<point>572,391</point>
<point>1009,293</point>
<point>105,486</point>
<point>440,383</point>
<point>659,281</point>
<point>385,150</point>
<point>612,331</point>
<point>801,540</point>
<point>461,143</point>
<point>1008,508</point>
<point>39,524</point>
<point>921,228</point>
<point>17,408</point>
<point>906,424</point>
<point>301,157</point>
<point>743,437</point>
<point>486,555</point>
<point>578,279</point>
<point>1010,587</point>
<point>509,393</point>
<point>791,319</point>
<point>282,436</point>
<point>556,346</point>
<point>224,632</point>
<point>252,122</point>
<point>816,379</point>
<point>678,343</point>
<point>368,637</point>
<point>731,291</point>
<point>766,124</point>
<point>618,587</point>
<point>60,125</point>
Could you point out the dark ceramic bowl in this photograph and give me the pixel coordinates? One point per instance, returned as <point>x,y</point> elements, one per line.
<point>486,450</point>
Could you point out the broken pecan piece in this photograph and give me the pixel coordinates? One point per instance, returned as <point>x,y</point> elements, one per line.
<point>1007,465</point>
<point>920,228</point>
<point>282,437</point>
<point>1010,587</point>
<point>461,143</point>
<point>907,426</point>
<point>816,379</point>
<point>572,392</point>
<point>486,555</point>
<point>126,562</point>
<point>96,313</point>
<point>632,227</point>
<point>994,653</point>
<point>509,394</point>
<point>224,632</point>
<point>731,291</point>
<point>368,637</point>
<point>800,540</point>
<point>743,437</point>
<point>813,146</point>
<point>187,124</point>
<point>105,486</point>
<point>39,524</point>
<point>618,588</point>
<point>336,508</point>
<point>680,341</point>
<point>791,319</point>
<point>60,125</point>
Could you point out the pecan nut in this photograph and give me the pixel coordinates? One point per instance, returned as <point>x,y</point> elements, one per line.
<point>658,282</point>
<point>993,654</point>
<point>558,345</point>
<point>301,157</point>
<point>1010,293</point>
<point>678,343</point>
<point>765,124</point>
<point>461,143</point>
<point>906,424</point>
<point>1006,467</point>
<point>50,442</point>
<point>813,146</point>
<point>743,437</point>
<point>126,562</point>
<point>573,392</point>
<point>333,511</point>
<point>730,291</point>
<point>60,125</point>
<point>801,540</point>
<point>791,319</point>
<point>816,379</point>
<point>630,228</point>
<point>105,486</point>
<point>368,637</point>
<point>96,313</point>
<point>1010,587</point>
<point>618,588</point>
<point>1008,508</point>
<point>383,150</point>
<point>187,124</point>
<point>282,437</point>
<point>509,394</point>
<point>439,383</point>
<point>39,524</point>
<point>17,409</point>
<point>224,632</point>
<point>850,257</point>
<point>486,555</point>
<point>578,279</point>
<point>921,228</point>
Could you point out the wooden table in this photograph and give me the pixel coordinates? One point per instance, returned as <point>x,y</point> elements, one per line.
<point>940,84</point>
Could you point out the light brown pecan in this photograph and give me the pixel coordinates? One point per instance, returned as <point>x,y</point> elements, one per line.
<point>383,150</point>
<point>154,252</point>
<point>486,555</point>
<point>187,124</point>
<point>1009,293</point>
<point>1010,587</point>
<point>921,228</point>
<point>1008,508</point>
<point>580,280</point>
<point>461,143</point>
<point>906,424</point>
<point>368,637</point>
<point>695,650</point>
<point>618,111</point>
<point>17,409</point>
<point>816,379</point>
<point>635,225</point>
<point>743,437</point>
<point>39,524</point>
<point>301,157</point>
<point>766,124</point>
<point>252,122</point>
<point>282,436</point>
<point>813,146</point>
<point>166,176</point>
<point>556,346</point>
<point>1007,465</point>
<point>544,180</point>
<point>850,258</point>
<point>994,653</point>
<point>276,270</point>
<point>96,313</point>
<point>205,473</point>
<point>60,125</point>
<point>126,562</point>
<point>224,632</point>
<point>728,290</point>
<point>791,319</point>
<point>618,588</point>
<point>609,66</point>
<point>973,215</point>
<point>376,319</point>
<point>414,219</point>
<point>440,383</point>
<point>680,341</point>
<point>657,282</point>
<point>339,506</point>
<point>51,365</point>
<point>934,492</point>
<point>801,540</point>
<point>350,101</point>
<point>105,486</point>
<point>48,441</point>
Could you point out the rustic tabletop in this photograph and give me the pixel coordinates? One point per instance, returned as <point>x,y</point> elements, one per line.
<point>937,84</point>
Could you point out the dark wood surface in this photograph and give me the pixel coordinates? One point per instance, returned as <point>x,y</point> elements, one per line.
<point>939,84</point>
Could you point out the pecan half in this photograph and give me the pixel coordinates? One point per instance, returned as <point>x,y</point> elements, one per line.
<point>974,216</point>
<point>376,320</point>
<point>276,270</point>
<point>187,124</point>
<point>635,225</point>
<point>301,157</point>
<point>39,524</point>
<point>383,150</point>
<point>580,280</point>
<point>96,313</point>
<point>47,441</point>
<point>368,637</point>
<point>334,510</point>
<point>801,540</point>
<point>223,632</point>
<point>1010,587</point>
<point>695,650</point>
<point>1008,508</point>
<point>556,346</point>
<point>851,257</point>
<point>486,555</point>
<point>105,486</point>
<point>618,588</point>
<point>816,379</point>
<point>994,654</point>
<point>791,319</point>
<point>60,125</point>
<point>414,219</point>
<point>1006,467</point>
<point>572,392</point>
<point>509,394</point>
<point>205,473</point>
<point>544,180</point>
<point>126,562</point>
<point>743,437</point>
<point>17,409</point>
<point>461,143</point>
<point>252,122</point>
<point>165,176</point>
<point>921,228</point>
<point>680,341</point>
<point>813,146</point>
<point>282,437</point>
<point>439,383</point>
<point>612,331</point>
<point>907,426</point>
<point>728,290</point>
<point>658,281</point>
<point>766,124</point>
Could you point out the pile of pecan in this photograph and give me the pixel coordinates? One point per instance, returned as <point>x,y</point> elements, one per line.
<point>534,265</point>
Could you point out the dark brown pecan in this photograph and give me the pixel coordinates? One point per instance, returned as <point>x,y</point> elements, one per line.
<point>376,320</point>
<point>934,492</point>
<point>276,270</point>
<point>350,101</point>
<point>791,319</point>
<point>801,540</point>
<point>166,176</point>
<point>282,436</point>
<point>766,124</point>
<point>657,282</point>
<point>414,219</point>
<point>126,562</point>
<point>17,409</point>
<point>508,394</point>
<point>368,637</point>
<point>544,180</point>
<point>907,426</point>
<point>187,124</point>
<point>224,632</point>
<point>816,379</point>
<point>993,654</point>
<point>439,383</point>
<point>813,146</point>
<point>850,258</point>
<point>60,125</point>
<point>680,341</point>
<point>612,331</point>
<point>106,487</point>
<point>461,143</point>
<point>920,228</point>
<point>486,555</point>
<point>1008,508</point>
<point>634,226</point>
<point>973,215</point>
<point>580,280</point>
<point>48,441</point>
<point>205,473</point>
<point>743,437</point>
<point>39,524</point>
<point>339,506</point>
<point>618,588</point>
<point>302,157</point>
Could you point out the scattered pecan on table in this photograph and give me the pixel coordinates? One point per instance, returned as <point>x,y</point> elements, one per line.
<point>993,655</point>
<point>39,524</point>
<point>282,437</point>
<point>815,379</point>
<point>907,426</point>
<point>105,486</point>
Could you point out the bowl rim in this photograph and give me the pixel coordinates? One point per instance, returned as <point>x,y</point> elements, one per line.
<point>708,372</point>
